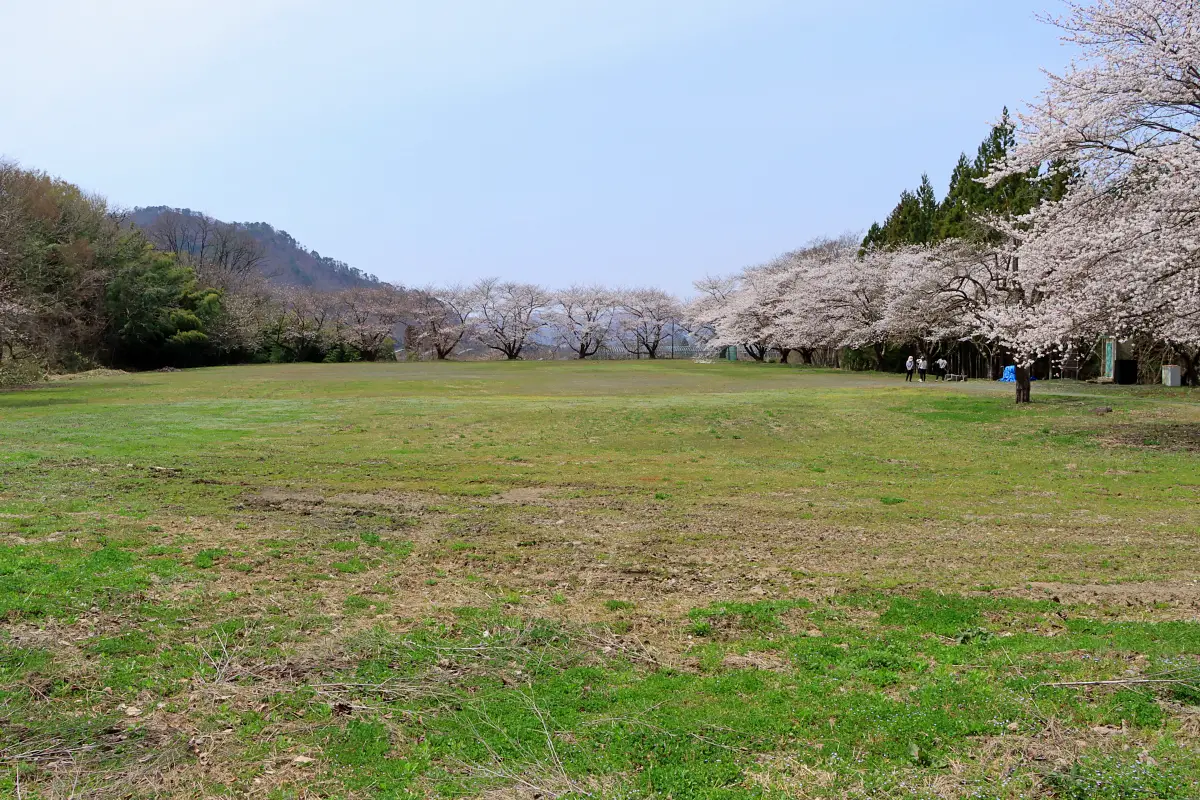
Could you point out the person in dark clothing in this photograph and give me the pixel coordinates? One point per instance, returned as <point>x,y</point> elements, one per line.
<point>908,369</point>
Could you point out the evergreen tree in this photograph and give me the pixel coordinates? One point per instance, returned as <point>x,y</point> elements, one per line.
<point>156,314</point>
<point>927,211</point>
<point>920,219</point>
<point>899,226</point>
<point>912,221</point>
<point>954,215</point>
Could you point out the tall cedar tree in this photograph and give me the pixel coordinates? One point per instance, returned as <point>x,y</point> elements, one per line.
<point>919,219</point>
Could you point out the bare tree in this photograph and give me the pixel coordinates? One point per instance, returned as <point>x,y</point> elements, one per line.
<point>583,318</point>
<point>222,254</point>
<point>15,314</point>
<point>509,314</point>
<point>439,318</point>
<point>645,315</point>
<point>57,246</point>
<point>235,255</point>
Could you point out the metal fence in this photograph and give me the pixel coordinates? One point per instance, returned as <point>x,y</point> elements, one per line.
<point>667,350</point>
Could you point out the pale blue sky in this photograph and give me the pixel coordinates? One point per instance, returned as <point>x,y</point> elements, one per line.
<point>623,141</point>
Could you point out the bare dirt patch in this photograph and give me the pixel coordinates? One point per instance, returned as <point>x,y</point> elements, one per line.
<point>769,662</point>
<point>523,495</point>
<point>284,499</point>
<point>1157,435</point>
<point>395,501</point>
<point>1182,597</point>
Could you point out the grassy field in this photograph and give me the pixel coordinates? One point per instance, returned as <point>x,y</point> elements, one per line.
<point>519,580</point>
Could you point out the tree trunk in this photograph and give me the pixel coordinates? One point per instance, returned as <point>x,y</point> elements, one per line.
<point>806,355</point>
<point>878,347</point>
<point>783,354</point>
<point>1022,375</point>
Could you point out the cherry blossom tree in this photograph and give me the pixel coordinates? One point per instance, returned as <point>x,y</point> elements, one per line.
<point>809,307</point>
<point>583,318</point>
<point>243,326</point>
<point>841,299</point>
<point>746,312</point>
<point>1120,253</point>
<point>645,316</point>
<point>509,314</point>
<point>365,318</point>
<point>826,294</point>
<point>951,291</point>
<point>439,318</point>
<point>701,317</point>
<point>303,322</point>
<point>1182,336</point>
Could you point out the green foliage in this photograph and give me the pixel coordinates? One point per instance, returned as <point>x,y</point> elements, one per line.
<point>973,636</point>
<point>129,644</point>
<point>912,221</point>
<point>342,353</point>
<point>919,218</point>
<point>157,315</point>
<point>84,287</point>
<point>60,244</point>
<point>943,614</point>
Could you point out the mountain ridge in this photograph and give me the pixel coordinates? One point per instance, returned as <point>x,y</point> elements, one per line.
<point>285,261</point>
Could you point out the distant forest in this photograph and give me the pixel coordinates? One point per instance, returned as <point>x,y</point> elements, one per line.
<point>86,285</point>
<point>284,260</point>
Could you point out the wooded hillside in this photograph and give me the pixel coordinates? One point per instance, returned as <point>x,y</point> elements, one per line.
<point>282,260</point>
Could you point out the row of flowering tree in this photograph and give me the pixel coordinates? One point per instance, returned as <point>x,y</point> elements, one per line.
<point>507,317</point>
<point>1082,220</point>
